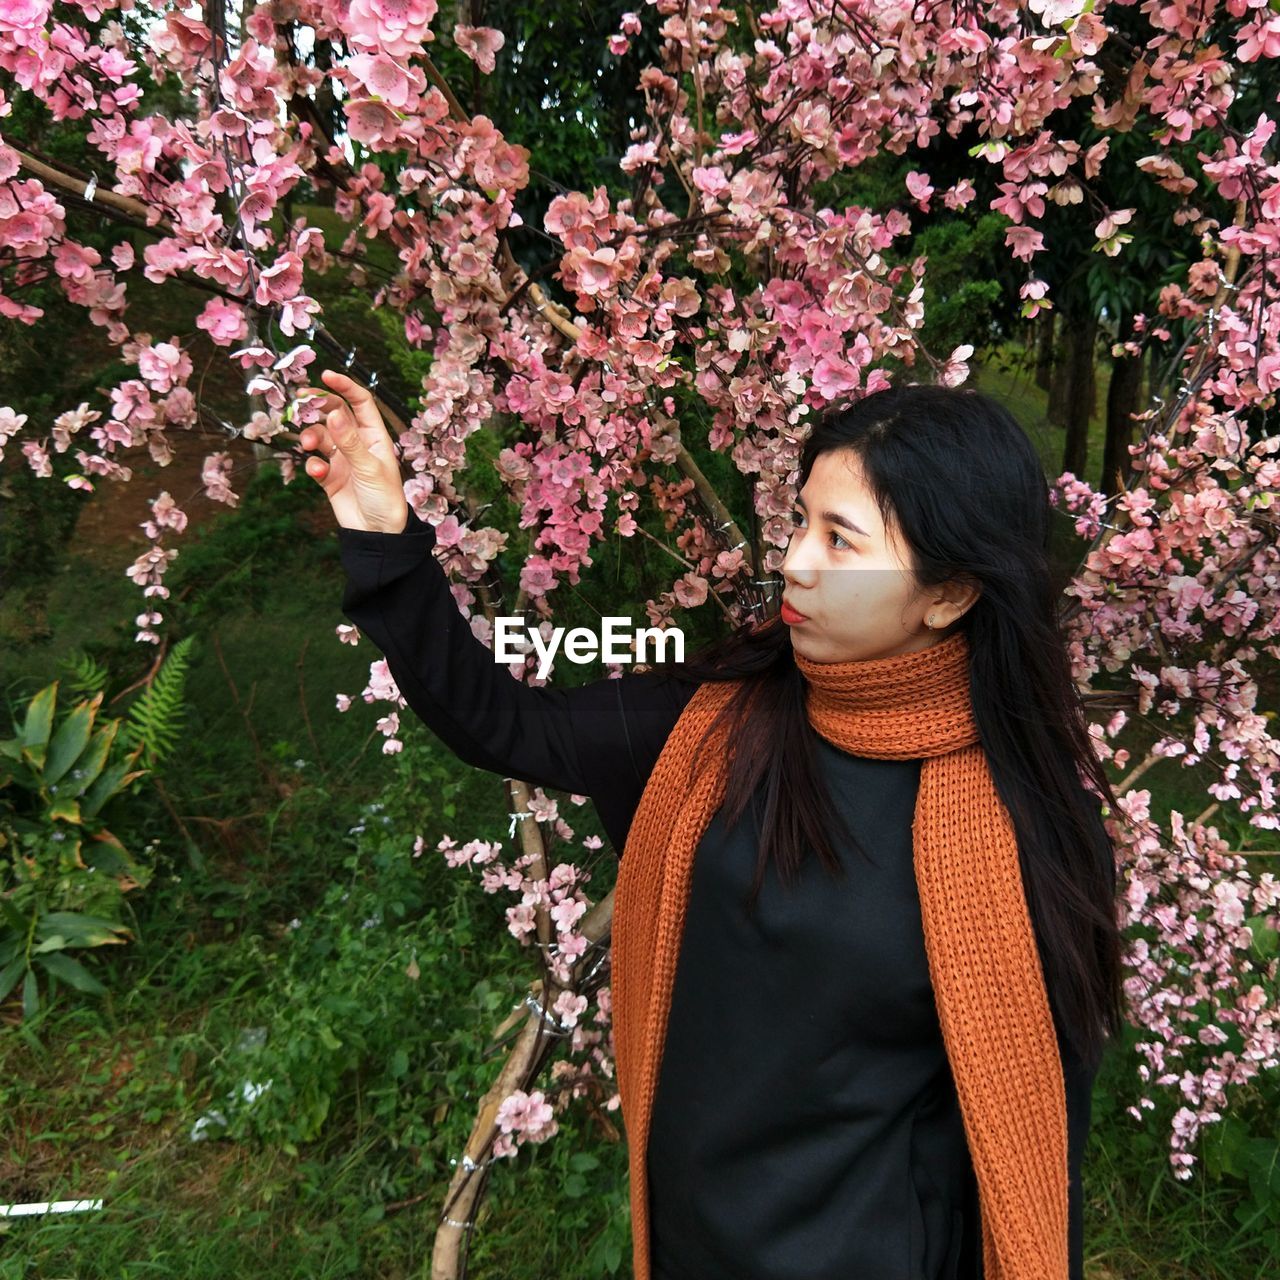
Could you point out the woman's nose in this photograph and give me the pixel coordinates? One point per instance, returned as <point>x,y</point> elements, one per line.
<point>795,568</point>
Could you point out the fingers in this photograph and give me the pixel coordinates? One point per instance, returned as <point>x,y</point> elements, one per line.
<point>346,404</point>
<point>315,438</point>
<point>338,428</point>
<point>359,397</point>
<point>316,442</point>
<point>349,411</point>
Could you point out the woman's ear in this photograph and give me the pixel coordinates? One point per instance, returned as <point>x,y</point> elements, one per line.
<point>960,594</point>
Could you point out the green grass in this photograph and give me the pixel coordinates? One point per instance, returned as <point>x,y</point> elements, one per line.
<point>1141,1223</point>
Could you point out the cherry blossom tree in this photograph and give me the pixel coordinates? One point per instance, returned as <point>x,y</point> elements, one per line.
<point>735,289</point>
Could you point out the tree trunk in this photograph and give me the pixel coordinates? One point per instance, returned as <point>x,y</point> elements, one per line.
<point>1122,400</point>
<point>1152,375</point>
<point>329,109</point>
<point>1060,380</point>
<point>1082,332</point>
<point>1044,349</point>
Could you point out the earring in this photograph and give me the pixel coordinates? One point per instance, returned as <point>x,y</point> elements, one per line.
<point>930,622</point>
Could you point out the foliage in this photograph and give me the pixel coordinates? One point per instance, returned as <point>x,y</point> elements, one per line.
<point>65,873</point>
<point>349,1003</point>
<point>225,564</point>
<point>156,716</point>
<point>961,305</point>
<point>381,999</point>
<point>34,525</point>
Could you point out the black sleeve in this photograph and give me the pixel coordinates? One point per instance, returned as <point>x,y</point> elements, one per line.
<point>600,739</point>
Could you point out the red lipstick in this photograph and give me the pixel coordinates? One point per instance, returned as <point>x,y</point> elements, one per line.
<point>791,616</point>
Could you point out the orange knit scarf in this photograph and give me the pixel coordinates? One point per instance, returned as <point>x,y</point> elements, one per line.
<point>987,981</point>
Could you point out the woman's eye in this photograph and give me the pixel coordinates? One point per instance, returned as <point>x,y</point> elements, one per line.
<point>797,522</point>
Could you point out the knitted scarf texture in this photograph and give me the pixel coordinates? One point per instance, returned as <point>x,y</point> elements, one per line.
<point>985,970</point>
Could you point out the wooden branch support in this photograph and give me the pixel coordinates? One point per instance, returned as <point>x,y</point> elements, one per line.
<point>532,1046</point>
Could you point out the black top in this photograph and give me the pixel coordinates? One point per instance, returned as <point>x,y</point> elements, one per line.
<point>841,1133</point>
<point>833,1147</point>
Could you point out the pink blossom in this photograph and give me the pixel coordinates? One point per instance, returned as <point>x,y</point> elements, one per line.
<point>638,155</point>
<point>398,27</point>
<point>480,44</point>
<point>1112,222</point>
<point>1024,241</point>
<point>372,122</point>
<point>383,75</point>
<point>280,281</point>
<point>527,1116</point>
<point>921,188</point>
<point>691,590</point>
<point>164,366</point>
<point>834,378</point>
<point>223,321</point>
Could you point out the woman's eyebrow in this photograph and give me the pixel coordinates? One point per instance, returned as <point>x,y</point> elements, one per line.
<point>834,517</point>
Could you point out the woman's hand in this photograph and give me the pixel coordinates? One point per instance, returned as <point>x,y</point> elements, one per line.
<point>357,466</point>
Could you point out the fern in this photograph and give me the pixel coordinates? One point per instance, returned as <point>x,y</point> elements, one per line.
<point>155,718</point>
<point>86,677</point>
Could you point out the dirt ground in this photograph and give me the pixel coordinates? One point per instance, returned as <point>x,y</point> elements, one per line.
<point>109,527</point>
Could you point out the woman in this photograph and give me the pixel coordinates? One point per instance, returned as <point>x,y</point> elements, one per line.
<point>880,1066</point>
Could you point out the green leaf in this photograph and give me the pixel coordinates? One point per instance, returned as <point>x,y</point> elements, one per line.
<point>1266,941</point>
<point>108,784</point>
<point>70,740</point>
<point>155,719</point>
<point>35,730</point>
<point>54,942</point>
<point>30,995</point>
<point>65,809</point>
<point>1225,1147</point>
<point>10,974</point>
<point>13,917</point>
<point>81,930</point>
<point>72,972</point>
<point>106,853</point>
<point>94,758</point>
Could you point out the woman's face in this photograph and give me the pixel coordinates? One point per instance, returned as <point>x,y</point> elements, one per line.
<point>850,576</point>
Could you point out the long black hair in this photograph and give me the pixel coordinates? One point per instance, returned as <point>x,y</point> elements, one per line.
<point>955,472</point>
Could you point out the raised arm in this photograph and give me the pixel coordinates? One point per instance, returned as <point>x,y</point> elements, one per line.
<point>599,739</point>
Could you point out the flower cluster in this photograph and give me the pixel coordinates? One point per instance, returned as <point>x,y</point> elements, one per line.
<point>557,897</point>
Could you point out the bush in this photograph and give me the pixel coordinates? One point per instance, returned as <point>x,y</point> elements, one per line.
<point>65,872</point>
